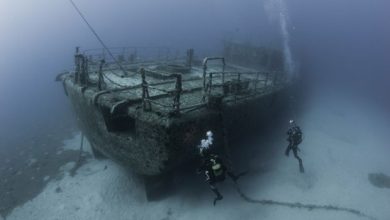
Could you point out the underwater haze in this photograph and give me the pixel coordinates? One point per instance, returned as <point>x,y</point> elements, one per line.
<point>338,49</point>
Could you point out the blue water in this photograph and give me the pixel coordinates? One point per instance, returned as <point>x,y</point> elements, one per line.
<point>339,48</point>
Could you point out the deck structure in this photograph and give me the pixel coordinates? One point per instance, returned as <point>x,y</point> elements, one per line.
<point>149,114</point>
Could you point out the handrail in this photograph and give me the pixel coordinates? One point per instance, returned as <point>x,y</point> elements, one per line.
<point>205,61</point>
<point>241,85</point>
<point>176,93</point>
<point>132,54</point>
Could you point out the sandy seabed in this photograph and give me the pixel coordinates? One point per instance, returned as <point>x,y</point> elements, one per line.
<point>343,143</point>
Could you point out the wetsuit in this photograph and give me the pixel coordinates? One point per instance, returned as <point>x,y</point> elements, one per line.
<point>215,171</point>
<point>294,139</point>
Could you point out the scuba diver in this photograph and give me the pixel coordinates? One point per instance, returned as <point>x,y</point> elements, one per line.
<point>294,139</point>
<point>213,167</point>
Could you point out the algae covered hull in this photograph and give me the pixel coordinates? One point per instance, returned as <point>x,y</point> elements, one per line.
<point>149,114</point>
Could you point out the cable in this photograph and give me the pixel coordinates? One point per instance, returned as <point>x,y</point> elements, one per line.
<point>97,36</point>
<point>303,206</point>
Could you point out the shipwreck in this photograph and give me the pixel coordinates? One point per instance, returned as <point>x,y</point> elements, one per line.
<point>148,108</point>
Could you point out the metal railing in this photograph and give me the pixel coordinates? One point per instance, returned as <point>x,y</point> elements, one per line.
<point>133,54</point>
<point>175,93</point>
<point>240,84</point>
<point>230,85</point>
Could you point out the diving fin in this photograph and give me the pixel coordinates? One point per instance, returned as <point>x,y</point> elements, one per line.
<point>301,169</point>
<point>219,196</point>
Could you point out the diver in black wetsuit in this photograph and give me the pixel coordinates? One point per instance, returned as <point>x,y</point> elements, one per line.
<point>294,139</point>
<point>215,171</point>
<point>213,167</point>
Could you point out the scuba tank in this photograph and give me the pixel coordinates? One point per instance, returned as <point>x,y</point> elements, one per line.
<point>216,167</point>
<point>297,135</point>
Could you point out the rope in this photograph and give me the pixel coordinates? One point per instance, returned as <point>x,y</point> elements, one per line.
<point>299,205</point>
<point>80,160</point>
<point>97,36</point>
<point>81,147</point>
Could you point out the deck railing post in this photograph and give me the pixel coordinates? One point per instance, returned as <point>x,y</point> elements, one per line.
<point>204,74</point>
<point>86,69</point>
<point>223,70</point>
<point>206,88</point>
<point>257,80</point>
<point>190,56</point>
<point>178,90</point>
<point>77,65</point>
<point>238,85</point>
<point>83,70</point>
<point>204,78</point>
<point>147,106</point>
<point>77,69</point>
<point>210,83</point>
<point>101,79</point>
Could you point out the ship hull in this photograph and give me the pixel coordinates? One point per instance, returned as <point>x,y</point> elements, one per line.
<point>152,147</point>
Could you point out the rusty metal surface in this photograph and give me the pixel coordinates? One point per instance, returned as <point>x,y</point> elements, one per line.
<point>152,119</point>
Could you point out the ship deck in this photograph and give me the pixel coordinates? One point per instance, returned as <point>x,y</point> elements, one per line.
<point>172,86</point>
